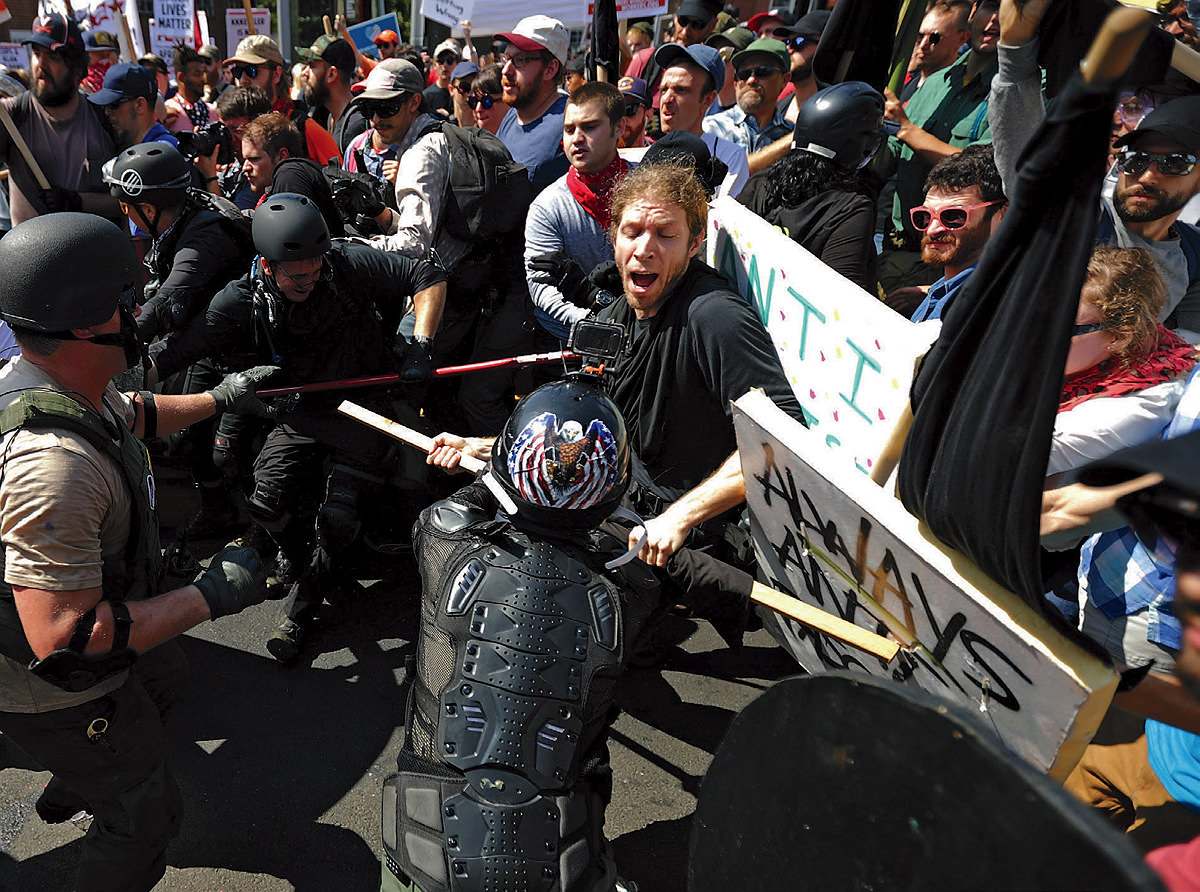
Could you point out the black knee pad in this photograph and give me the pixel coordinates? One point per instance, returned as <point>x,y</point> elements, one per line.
<point>269,507</point>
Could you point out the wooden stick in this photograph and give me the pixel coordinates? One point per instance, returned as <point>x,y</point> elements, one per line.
<point>876,645</point>
<point>1115,44</point>
<point>23,148</point>
<point>327,23</point>
<point>403,434</point>
<point>1186,61</point>
<point>890,457</point>
<point>249,17</point>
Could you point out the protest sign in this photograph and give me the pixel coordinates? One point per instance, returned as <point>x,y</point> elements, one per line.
<point>628,9</point>
<point>848,357</point>
<point>13,56</point>
<point>236,28</point>
<point>825,533</point>
<point>364,33</point>
<point>448,12</point>
<point>173,23</point>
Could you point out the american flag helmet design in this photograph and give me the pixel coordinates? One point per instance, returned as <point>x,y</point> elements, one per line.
<point>563,467</point>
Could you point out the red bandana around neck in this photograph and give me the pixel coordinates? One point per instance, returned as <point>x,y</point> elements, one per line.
<point>1172,357</point>
<point>593,190</point>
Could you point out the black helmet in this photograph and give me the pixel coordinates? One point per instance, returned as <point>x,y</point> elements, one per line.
<point>150,173</point>
<point>64,271</point>
<point>288,226</point>
<point>843,123</point>
<point>563,455</point>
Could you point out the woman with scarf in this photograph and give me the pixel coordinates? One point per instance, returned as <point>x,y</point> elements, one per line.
<point>1125,371</point>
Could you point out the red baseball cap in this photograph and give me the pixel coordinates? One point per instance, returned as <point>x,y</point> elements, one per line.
<point>388,36</point>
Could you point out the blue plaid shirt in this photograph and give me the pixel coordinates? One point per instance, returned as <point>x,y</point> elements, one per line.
<point>1120,575</point>
<point>738,127</point>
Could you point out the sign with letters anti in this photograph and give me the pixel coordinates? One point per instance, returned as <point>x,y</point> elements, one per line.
<point>849,357</point>
<point>174,22</point>
<point>827,534</point>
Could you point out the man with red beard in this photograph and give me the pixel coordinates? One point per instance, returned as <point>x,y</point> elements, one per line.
<point>569,221</point>
<point>68,137</point>
<point>964,203</point>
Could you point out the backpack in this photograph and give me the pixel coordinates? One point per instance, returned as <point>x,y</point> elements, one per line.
<point>1189,240</point>
<point>489,193</point>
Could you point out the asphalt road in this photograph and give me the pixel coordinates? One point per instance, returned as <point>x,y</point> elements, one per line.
<point>281,766</point>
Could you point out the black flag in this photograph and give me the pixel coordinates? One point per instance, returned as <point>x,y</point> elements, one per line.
<point>985,398</point>
<point>606,41</point>
<point>857,43</point>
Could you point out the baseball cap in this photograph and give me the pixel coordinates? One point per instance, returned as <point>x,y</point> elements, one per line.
<point>738,38</point>
<point>1177,120</point>
<point>540,32</point>
<point>634,88</point>
<point>447,46</point>
<point>54,31</point>
<point>101,41</point>
<point>697,9</point>
<point>764,46</point>
<point>257,49</point>
<point>700,54</point>
<point>386,36</point>
<point>576,65</point>
<point>756,21</point>
<point>329,48</point>
<point>128,80</point>
<point>464,69</point>
<point>210,51</point>
<point>389,79</point>
<point>681,147</point>
<point>810,25</point>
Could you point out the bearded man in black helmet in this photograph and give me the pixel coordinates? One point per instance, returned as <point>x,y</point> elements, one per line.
<point>87,660</point>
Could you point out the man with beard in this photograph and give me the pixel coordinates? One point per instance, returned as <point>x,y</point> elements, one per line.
<point>948,113</point>
<point>187,109</point>
<point>128,98</point>
<point>328,74</point>
<point>759,72</point>
<point>1157,166</point>
<point>69,137</point>
<point>530,71</point>
<point>964,203</point>
<point>942,33</point>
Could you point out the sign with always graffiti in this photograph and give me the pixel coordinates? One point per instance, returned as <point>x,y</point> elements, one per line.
<point>828,535</point>
<point>848,357</point>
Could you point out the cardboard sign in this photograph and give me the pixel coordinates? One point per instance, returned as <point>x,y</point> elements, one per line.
<point>629,9</point>
<point>13,56</point>
<point>173,23</point>
<point>825,533</point>
<point>849,358</point>
<point>364,33</point>
<point>448,12</point>
<point>236,28</point>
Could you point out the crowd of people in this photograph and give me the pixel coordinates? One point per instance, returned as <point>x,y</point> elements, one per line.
<point>217,227</point>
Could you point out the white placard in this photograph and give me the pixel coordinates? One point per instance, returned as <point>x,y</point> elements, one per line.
<point>236,28</point>
<point>13,56</point>
<point>631,9</point>
<point>448,12</point>
<point>825,533</point>
<point>173,23</point>
<point>849,358</point>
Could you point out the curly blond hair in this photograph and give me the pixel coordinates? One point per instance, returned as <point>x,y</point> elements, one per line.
<point>668,181</point>
<point>1125,286</point>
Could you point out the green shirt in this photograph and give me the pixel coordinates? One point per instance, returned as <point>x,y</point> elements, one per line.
<point>950,106</point>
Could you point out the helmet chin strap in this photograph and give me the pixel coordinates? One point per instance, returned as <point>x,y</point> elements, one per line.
<point>628,556</point>
<point>150,227</point>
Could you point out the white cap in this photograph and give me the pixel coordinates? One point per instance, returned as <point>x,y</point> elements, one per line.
<point>540,32</point>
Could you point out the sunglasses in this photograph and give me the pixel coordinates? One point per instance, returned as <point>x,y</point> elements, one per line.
<point>1170,164</point>
<point>795,43</point>
<point>1086,328</point>
<point>759,71</point>
<point>382,108</point>
<point>1132,108</point>
<point>632,108</point>
<point>483,100</point>
<point>250,71</point>
<point>951,218</point>
<point>934,37</point>
<point>686,21</point>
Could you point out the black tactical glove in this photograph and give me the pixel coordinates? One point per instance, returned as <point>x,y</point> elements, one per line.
<point>416,361</point>
<point>366,200</point>
<point>558,270</point>
<point>235,579</point>
<point>237,393</point>
<point>57,199</point>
